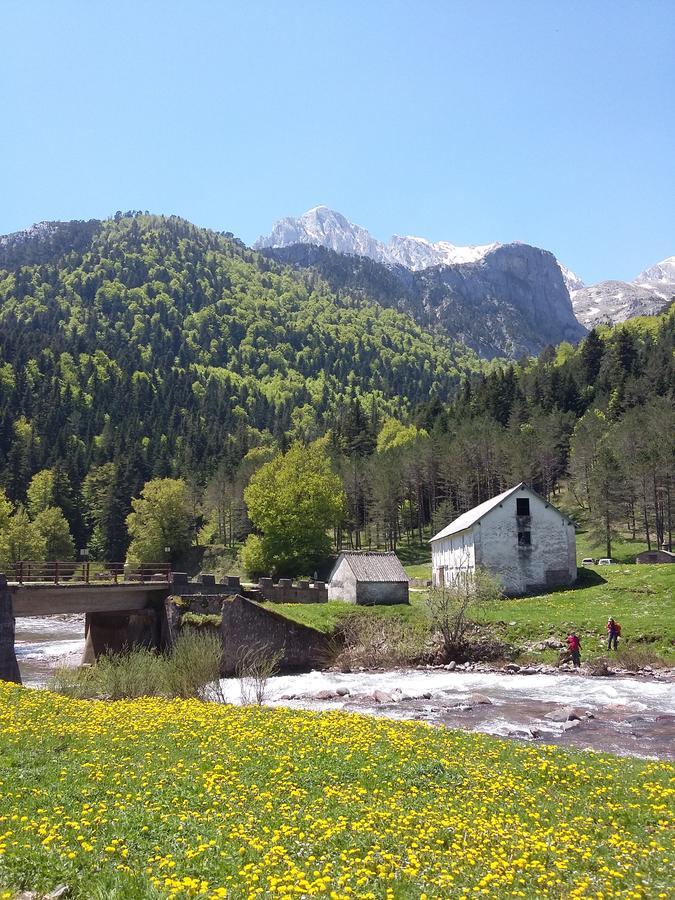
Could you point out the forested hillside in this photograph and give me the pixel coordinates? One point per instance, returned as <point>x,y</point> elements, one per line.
<point>145,348</point>
<point>165,349</point>
<point>511,303</point>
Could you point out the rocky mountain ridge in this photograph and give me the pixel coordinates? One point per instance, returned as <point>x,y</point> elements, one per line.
<point>499,299</point>
<point>610,302</point>
<point>606,302</point>
<point>327,228</point>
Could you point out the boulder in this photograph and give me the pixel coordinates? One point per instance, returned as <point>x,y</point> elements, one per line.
<point>382,697</point>
<point>451,666</point>
<point>325,695</point>
<point>567,713</point>
<point>480,700</point>
<point>600,670</point>
<point>568,725</point>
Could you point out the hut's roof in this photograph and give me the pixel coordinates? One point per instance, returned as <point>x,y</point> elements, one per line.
<point>370,565</point>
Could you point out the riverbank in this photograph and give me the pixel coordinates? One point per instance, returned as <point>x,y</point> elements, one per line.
<point>533,629</point>
<point>624,716</point>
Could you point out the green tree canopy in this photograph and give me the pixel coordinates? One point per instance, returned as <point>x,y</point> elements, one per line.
<point>52,527</point>
<point>40,492</point>
<point>160,518</point>
<point>20,540</point>
<point>293,501</point>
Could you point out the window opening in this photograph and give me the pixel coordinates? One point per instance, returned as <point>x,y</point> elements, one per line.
<point>522,506</point>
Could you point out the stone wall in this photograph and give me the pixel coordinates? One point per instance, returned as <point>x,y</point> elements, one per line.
<point>246,624</point>
<point>110,632</point>
<point>284,591</point>
<point>9,668</point>
<point>205,584</point>
<point>655,556</point>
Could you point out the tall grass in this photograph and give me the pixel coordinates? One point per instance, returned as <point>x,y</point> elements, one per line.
<point>190,669</point>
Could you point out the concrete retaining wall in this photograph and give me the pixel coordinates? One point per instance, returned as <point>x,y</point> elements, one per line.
<point>246,624</point>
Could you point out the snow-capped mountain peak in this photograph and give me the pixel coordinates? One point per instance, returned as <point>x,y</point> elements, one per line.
<point>328,228</point>
<point>616,301</point>
<point>661,273</point>
<point>572,280</point>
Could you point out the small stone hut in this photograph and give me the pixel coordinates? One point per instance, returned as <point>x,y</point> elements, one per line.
<point>368,578</point>
<point>655,556</point>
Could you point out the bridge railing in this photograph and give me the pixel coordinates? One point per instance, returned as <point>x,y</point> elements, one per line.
<point>68,572</point>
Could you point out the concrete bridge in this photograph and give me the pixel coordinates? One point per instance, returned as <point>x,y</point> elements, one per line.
<point>138,609</point>
<point>116,615</point>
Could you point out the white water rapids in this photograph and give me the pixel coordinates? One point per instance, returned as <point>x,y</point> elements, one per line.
<point>632,716</point>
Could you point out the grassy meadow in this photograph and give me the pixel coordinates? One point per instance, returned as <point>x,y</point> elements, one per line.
<point>153,798</point>
<point>640,597</point>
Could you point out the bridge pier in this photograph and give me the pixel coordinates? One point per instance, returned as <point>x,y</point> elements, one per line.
<point>9,668</point>
<point>112,632</point>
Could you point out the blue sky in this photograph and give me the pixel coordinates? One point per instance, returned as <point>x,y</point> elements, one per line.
<point>547,122</point>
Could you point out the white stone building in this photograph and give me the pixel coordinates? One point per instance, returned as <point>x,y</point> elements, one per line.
<point>368,578</point>
<point>518,537</point>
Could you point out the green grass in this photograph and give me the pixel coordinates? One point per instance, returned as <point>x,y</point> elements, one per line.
<point>421,570</point>
<point>640,597</point>
<point>624,549</point>
<point>154,798</point>
<point>326,617</point>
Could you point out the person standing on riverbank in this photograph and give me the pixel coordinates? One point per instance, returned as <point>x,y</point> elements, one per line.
<point>574,646</point>
<point>613,632</point>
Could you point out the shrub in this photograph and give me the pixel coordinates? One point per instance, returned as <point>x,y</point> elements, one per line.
<point>255,666</point>
<point>369,640</point>
<point>451,606</point>
<point>193,666</point>
<point>201,620</point>
<point>635,657</point>
<point>190,669</point>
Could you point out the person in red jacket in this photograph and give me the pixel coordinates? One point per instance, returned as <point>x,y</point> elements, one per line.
<point>574,645</point>
<point>613,632</point>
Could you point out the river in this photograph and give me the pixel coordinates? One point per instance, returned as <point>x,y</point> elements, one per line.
<point>627,716</point>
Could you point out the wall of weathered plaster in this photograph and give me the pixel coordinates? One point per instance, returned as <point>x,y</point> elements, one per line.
<point>9,668</point>
<point>454,553</point>
<point>492,544</point>
<point>385,593</point>
<point>344,586</point>
<point>550,560</point>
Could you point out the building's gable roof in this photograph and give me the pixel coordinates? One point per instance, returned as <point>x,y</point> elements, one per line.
<point>372,566</point>
<point>467,519</point>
